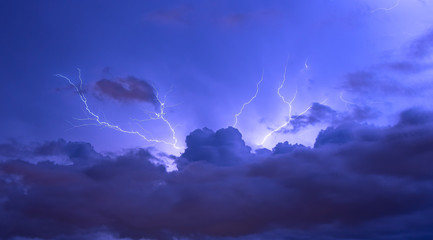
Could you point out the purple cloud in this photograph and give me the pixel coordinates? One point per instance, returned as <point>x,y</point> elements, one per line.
<point>423,45</point>
<point>126,89</point>
<point>358,181</point>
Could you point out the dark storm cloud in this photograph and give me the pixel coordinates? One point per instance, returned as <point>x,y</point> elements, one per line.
<point>423,45</point>
<point>126,89</point>
<point>386,80</point>
<point>359,181</point>
<point>369,82</point>
<point>320,113</point>
<point>406,67</point>
<point>223,147</point>
<point>59,152</point>
<point>11,149</point>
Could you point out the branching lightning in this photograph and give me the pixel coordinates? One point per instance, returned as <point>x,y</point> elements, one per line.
<point>281,86</point>
<point>97,119</point>
<point>283,125</point>
<point>245,104</point>
<point>160,116</point>
<point>386,9</point>
<point>289,103</point>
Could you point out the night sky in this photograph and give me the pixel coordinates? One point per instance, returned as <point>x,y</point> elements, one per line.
<point>216,120</point>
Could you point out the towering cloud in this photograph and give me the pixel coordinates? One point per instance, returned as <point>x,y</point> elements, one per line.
<point>359,181</point>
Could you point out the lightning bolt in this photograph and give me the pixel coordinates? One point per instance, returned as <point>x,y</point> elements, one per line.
<point>97,119</point>
<point>346,102</point>
<point>160,116</point>
<point>386,9</point>
<point>245,104</point>
<point>289,103</point>
<point>281,86</point>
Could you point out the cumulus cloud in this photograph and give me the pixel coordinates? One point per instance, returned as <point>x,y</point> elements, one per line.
<point>359,181</point>
<point>223,147</point>
<point>126,89</point>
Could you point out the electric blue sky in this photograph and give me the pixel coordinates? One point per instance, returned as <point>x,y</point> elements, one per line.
<point>355,66</point>
<point>210,55</point>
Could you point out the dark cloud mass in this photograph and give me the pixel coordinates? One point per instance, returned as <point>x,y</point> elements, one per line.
<point>358,182</point>
<point>223,147</point>
<point>126,89</point>
<point>319,113</point>
<point>423,45</point>
<point>371,83</point>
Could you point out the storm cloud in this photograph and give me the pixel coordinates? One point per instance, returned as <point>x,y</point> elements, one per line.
<point>423,45</point>
<point>323,114</point>
<point>355,179</point>
<point>126,89</point>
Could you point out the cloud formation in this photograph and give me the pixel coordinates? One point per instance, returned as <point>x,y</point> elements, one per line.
<point>423,45</point>
<point>359,181</point>
<point>126,89</point>
<point>223,147</point>
<point>319,114</point>
<point>369,82</point>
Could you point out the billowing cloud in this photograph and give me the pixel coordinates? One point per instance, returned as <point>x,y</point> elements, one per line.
<point>126,89</point>
<point>359,181</point>
<point>223,147</point>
